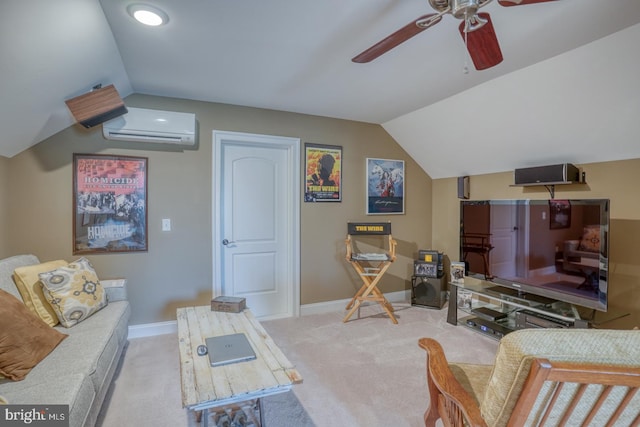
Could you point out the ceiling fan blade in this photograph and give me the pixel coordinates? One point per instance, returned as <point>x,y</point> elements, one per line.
<point>482,43</point>
<point>520,2</point>
<point>400,36</point>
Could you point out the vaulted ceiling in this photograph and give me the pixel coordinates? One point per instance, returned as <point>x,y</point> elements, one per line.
<point>566,91</point>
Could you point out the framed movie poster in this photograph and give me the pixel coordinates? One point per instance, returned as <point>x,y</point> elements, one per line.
<point>385,186</point>
<point>109,204</point>
<point>323,173</point>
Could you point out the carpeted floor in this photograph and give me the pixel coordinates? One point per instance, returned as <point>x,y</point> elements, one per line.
<point>366,372</point>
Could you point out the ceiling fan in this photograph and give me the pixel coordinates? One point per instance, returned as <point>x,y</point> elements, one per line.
<point>476,30</point>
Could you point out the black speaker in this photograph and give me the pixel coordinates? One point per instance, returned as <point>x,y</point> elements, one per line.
<point>565,172</point>
<point>428,291</point>
<point>463,187</point>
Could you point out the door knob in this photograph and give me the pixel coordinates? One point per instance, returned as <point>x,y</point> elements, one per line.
<point>226,242</point>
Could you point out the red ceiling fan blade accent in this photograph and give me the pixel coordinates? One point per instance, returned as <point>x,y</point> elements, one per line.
<point>400,36</point>
<point>483,45</point>
<point>520,2</point>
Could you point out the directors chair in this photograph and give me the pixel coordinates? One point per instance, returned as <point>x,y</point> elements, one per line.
<point>370,266</point>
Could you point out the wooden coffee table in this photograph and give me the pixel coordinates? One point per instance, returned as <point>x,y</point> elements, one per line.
<point>222,387</point>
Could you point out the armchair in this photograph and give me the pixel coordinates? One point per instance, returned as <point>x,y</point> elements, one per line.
<point>543,377</point>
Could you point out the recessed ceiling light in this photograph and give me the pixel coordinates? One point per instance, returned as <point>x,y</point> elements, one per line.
<point>148,15</point>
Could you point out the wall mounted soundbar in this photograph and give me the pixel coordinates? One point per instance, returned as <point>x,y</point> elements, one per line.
<point>564,173</point>
<point>548,176</point>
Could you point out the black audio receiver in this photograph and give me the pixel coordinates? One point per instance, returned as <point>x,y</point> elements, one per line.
<point>530,319</point>
<point>487,327</point>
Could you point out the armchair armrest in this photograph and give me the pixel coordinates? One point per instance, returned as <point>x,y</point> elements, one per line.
<point>447,398</point>
<point>116,289</point>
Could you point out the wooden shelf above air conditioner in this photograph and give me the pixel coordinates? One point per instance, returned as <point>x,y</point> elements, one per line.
<point>97,106</point>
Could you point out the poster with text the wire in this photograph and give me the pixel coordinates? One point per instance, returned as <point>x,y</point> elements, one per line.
<point>323,173</point>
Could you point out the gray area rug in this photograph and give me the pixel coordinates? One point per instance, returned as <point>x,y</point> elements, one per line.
<point>285,410</point>
<point>279,410</point>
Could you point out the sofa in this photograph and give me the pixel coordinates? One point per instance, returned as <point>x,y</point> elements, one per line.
<point>557,377</point>
<point>78,369</point>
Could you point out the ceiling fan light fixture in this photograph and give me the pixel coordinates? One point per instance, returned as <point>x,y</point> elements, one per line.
<point>147,15</point>
<point>474,23</point>
<point>462,8</point>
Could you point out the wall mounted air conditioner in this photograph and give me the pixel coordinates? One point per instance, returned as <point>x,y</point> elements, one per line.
<point>143,125</point>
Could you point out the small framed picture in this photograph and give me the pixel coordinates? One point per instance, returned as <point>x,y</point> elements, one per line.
<point>457,272</point>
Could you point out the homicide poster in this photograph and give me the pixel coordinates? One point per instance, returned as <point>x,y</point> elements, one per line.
<point>323,173</point>
<point>385,186</point>
<point>109,204</point>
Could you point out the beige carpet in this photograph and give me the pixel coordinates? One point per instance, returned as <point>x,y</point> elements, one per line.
<point>366,372</point>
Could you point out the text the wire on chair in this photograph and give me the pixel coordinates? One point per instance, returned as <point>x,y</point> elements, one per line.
<point>370,266</point>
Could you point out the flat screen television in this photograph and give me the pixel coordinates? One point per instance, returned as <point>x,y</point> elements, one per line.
<point>557,249</point>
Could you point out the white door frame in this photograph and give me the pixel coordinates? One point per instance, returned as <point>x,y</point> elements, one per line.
<point>292,145</point>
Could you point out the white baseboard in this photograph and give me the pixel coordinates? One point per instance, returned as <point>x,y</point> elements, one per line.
<point>152,329</point>
<point>171,327</point>
<point>338,305</point>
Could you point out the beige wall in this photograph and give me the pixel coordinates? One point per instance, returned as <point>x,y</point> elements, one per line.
<point>5,250</point>
<point>177,269</point>
<point>616,181</point>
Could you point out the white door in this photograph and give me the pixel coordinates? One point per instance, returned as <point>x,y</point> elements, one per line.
<point>256,229</point>
<point>503,239</point>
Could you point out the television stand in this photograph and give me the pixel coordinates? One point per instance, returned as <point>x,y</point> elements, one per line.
<point>495,310</point>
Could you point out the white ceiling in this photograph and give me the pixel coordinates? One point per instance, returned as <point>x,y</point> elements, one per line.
<point>295,56</point>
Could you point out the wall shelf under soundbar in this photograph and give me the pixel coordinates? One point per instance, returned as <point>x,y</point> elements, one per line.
<point>550,186</point>
<point>547,183</point>
<point>548,176</point>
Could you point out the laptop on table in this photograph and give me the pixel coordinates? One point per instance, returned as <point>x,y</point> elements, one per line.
<point>228,349</point>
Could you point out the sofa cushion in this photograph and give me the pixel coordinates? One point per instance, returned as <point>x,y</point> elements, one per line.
<point>75,390</point>
<point>92,344</point>
<point>74,291</point>
<point>24,338</point>
<point>27,280</point>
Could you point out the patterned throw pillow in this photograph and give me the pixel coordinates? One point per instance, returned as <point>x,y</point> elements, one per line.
<point>590,241</point>
<point>74,292</point>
